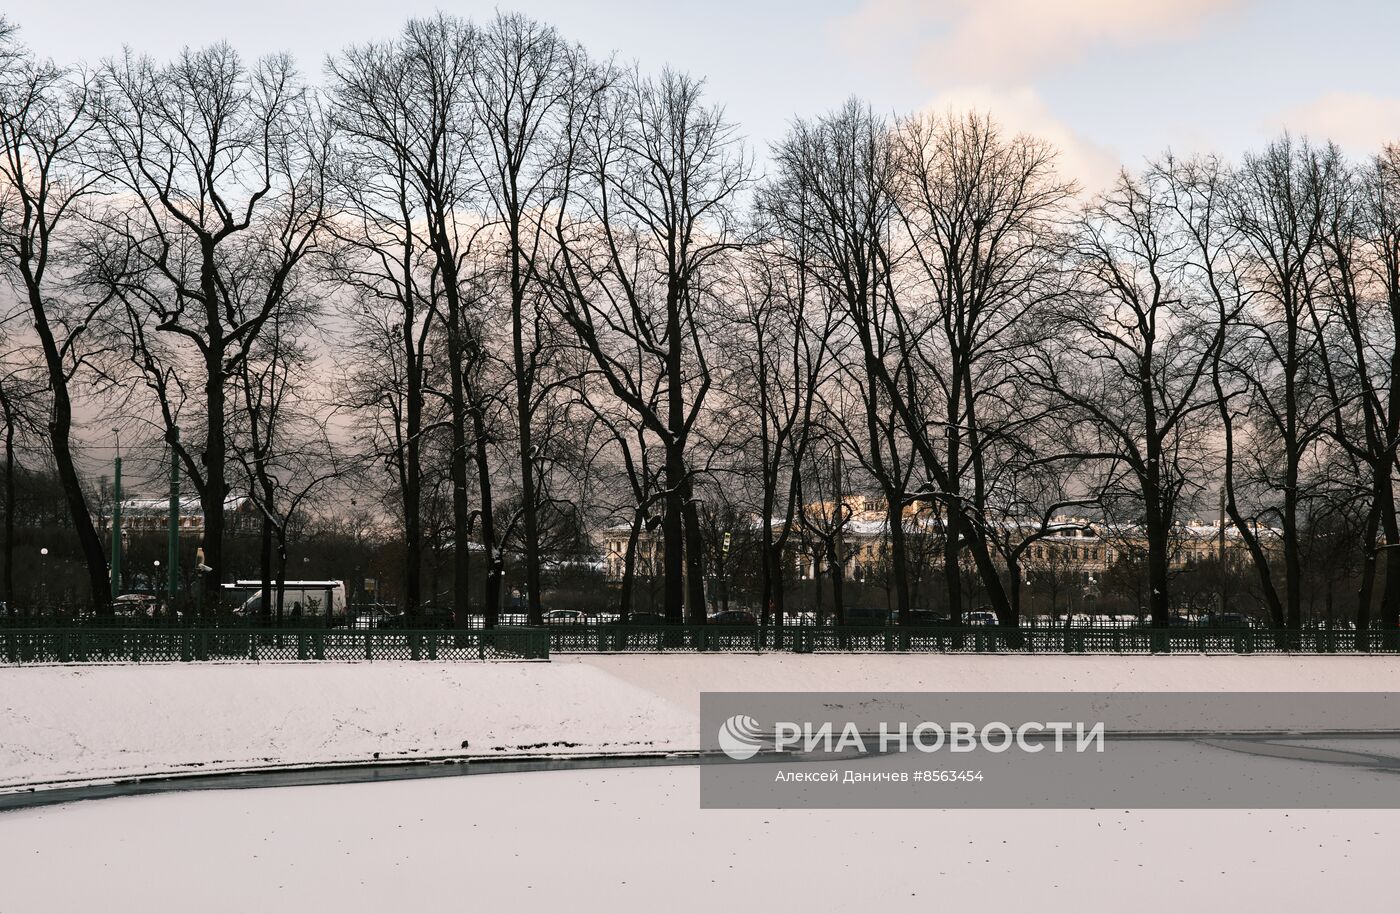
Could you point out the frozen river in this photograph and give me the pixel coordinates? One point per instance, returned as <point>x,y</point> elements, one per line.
<point>636,840</point>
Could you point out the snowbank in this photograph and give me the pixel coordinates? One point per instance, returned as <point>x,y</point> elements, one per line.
<point>86,723</point>
<point>66,723</point>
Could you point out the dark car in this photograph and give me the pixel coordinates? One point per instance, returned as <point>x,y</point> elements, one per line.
<point>925,617</point>
<point>428,617</point>
<point>867,615</point>
<point>641,619</point>
<point>733,617</point>
<point>1230,620</point>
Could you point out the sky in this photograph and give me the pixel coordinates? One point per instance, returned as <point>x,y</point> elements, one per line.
<point>1110,82</point>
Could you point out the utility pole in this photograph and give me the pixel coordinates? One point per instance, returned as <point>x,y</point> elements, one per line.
<point>172,546</point>
<point>838,489</point>
<point>117,519</point>
<point>1220,552</point>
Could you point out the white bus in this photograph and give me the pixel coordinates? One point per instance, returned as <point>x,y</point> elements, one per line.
<point>301,600</point>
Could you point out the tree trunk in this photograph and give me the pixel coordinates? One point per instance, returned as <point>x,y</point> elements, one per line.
<point>60,434</point>
<point>494,567</point>
<point>9,581</point>
<point>461,510</point>
<point>765,563</point>
<point>694,559</point>
<point>952,533</point>
<point>215,456</point>
<point>1158,597</point>
<point>524,392</point>
<point>1390,592</point>
<point>899,564</point>
<point>838,579</point>
<point>629,565</point>
<point>265,573</point>
<point>413,473</point>
<point>672,537</point>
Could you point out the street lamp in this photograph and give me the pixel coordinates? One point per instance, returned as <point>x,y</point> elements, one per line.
<point>44,577</point>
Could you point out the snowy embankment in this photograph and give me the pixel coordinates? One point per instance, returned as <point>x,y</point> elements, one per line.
<point>73,724</point>
<point>84,723</point>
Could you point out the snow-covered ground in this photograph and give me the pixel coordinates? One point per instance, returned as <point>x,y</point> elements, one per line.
<point>636,840</point>
<point>65,724</point>
<point>89,723</point>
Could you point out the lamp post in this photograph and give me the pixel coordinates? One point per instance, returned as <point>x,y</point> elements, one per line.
<point>117,518</point>
<point>155,587</point>
<point>172,523</point>
<point>44,577</point>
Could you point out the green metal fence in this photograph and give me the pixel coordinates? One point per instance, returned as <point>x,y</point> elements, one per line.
<point>130,645</point>
<point>967,640</point>
<point>135,645</point>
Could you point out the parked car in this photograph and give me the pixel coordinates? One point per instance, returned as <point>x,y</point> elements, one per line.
<point>133,606</point>
<point>733,617</point>
<point>981,617</point>
<point>371,616</point>
<point>428,617</point>
<point>564,617</point>
<point>641,619</point>
<point>925,617</point>
<point>867,615</point>
<point>1230,620</point>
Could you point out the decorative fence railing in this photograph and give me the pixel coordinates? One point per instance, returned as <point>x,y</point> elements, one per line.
<point>133,645</point>
<point>574,638</point>
<point>81,644</point>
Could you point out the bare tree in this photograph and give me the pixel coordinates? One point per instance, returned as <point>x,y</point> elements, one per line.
<point>1279,210</point>
<point>526,90</point>
<point>44,122</point>
<point>981,213</point>
<point>21,399</point>
<point>281,441</point>
<point>832,199</point>
<point>1132,357</point>
<point>218,173</point>
<point>1361,260</point>
<point>781,349</point>
<point>651,214</point>
<point>411,110</point>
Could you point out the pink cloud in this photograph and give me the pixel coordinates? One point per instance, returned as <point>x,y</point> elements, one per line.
<point>1021,110</point>
<point>1007,40</point>
<point>1359,122</point>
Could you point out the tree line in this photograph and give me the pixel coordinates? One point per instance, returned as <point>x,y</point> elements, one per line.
<point>521,294</point>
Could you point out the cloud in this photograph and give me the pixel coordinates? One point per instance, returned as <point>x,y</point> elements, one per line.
<point>1004,41</point>
<point>1022,110</point>
<point>1356,121</point>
